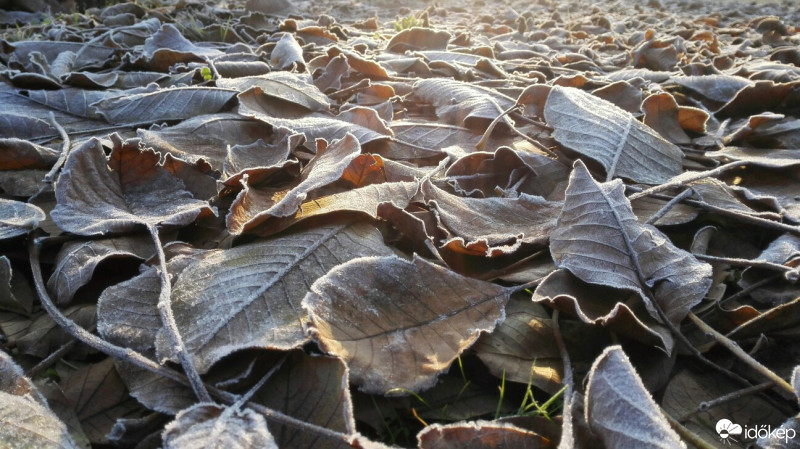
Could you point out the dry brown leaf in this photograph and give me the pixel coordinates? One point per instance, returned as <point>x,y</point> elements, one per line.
<point>128,190</point>
<point>611,136</point>
<point>398,323</point>
<point>249,296</point>
<point>598,239</point>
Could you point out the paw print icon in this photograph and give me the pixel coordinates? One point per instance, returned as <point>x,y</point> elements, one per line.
<point>727,430</point>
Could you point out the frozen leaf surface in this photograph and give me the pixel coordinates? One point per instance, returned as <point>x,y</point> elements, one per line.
<point>599,239</point>
<point>25,419</point>
<point>212,426</point>
<point>399,323</point>
<point>611,136</point>
<point>249,296</point>
<point>96,195</point>
<point>18,218</point>
<point>619,409</point>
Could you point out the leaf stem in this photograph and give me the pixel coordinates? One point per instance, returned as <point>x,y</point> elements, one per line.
<point>686,178</point>
<point>738,394</point>
<point>168,320</point>
<point>741,354</point>
<point>687,434</point>
<point>62,157</point>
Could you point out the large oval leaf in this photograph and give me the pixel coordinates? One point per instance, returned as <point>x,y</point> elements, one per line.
<point>399,323</point>
<point>96,195</point>
<point>600,241</point>
<point>249,296</point>
<point>612,136</point>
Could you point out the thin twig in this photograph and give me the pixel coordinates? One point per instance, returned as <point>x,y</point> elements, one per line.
<point>739,216</point>
<point>687,434</point>
<point>738,394</point>
<point>741,354</point>
<point>62,157</point>
<point>85,336</point>
<point>736,262</point>
<point>170,327</point>
<point>52,358</point>
<point>752,287</point>
<point>141,361</point>
<point>670,204</point>
<point>350,90</point>
<point>686,178</point>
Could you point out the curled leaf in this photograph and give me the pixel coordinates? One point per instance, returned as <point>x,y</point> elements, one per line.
<point>212,426</point>
<point>599,239</point>
<point>96,195</point>
<point>620,411</point>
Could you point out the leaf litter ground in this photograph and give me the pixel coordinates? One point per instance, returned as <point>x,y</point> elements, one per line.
<point>337,224</point>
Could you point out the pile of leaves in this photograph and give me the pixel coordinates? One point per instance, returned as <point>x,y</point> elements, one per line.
<point>322,224</point>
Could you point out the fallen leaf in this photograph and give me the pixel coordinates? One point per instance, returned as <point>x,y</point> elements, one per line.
<point>287,53</point>
<point>206,425</point>
<point>128,190</point>
<point>522,348</point>
<point>77,261</point>
<point>620,411</point>
<point>163,105</point>
<point>18,218</point>
<point>249,296</point>
<point>99,398</point>
<point>611,136</point>
<point>417,38</point>
<point>398,323</point>
<point>598,238</point>
<point>480,435</point>
<point>313,389</point>
<point>26,420</point>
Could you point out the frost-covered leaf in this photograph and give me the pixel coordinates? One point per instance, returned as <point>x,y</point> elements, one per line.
<point>164,104</point>
<point>480,435</point>
<point>611,136</point>
<point>313,126</point>
<point>492,226</point>
<point>324,168</point>
<point>245,216</point>
<point>312,389</point>
<point>77,261</point>
<point>18,218</point>
<point>620,411</point>
<point>249,296</point>
<point>460,103</point>
<point>624,313</point>
<point>599,240</point>
<point>128,190</point>
<point>210,426</point>
<point>417,38</point>
<point>25,419</point>
<point>286,53</point>
<point>18,154</point>
<point>398,323</point>
<point>291,87</point>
